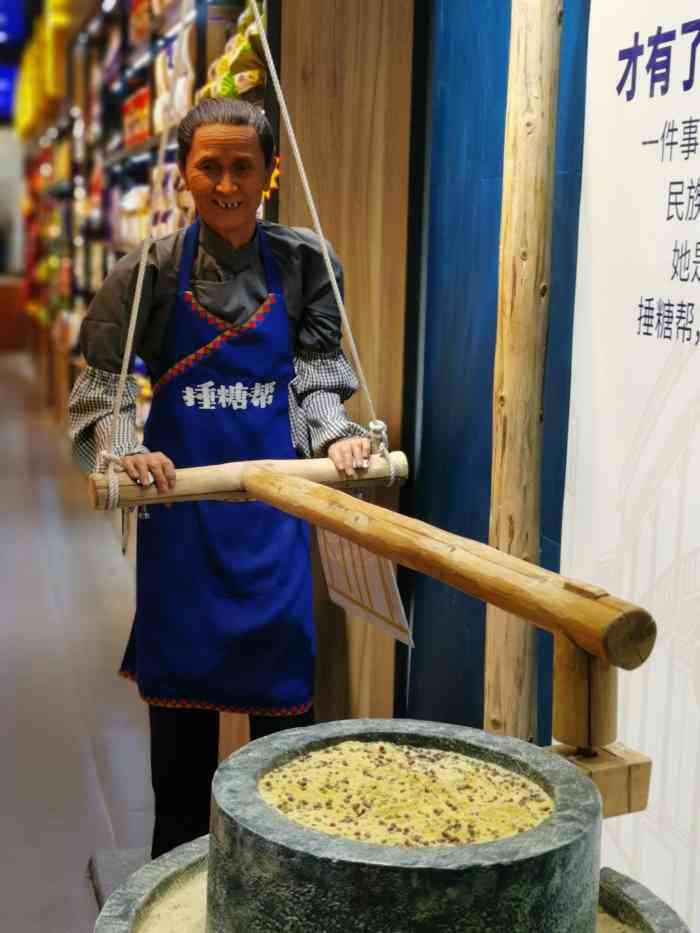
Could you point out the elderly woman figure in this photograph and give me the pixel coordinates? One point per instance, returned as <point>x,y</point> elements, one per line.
<point>240,333</point>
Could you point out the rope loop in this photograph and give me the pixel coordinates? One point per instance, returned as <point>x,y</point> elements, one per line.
<point>107,462</point>
<point>379,437</point>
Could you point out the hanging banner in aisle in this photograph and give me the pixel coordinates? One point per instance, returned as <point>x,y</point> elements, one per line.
<point>632,504</point>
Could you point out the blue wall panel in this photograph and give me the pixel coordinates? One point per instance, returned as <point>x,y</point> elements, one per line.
<point>470,51</point>
<point>469,82</point>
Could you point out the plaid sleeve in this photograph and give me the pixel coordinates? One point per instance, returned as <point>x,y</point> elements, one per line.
<point>90,417</point>
<point>323,381</point>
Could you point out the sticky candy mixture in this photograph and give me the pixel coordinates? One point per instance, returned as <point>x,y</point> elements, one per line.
<point>401,795</point>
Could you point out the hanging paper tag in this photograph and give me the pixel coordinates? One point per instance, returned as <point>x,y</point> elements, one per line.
<point>363,584</point>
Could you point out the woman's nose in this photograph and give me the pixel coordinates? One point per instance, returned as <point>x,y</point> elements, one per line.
<point>226,183</point>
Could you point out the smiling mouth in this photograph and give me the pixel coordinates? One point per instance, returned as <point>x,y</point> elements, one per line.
<point>227,205</point>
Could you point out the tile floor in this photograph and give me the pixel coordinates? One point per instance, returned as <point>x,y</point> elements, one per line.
<point>73,735</point>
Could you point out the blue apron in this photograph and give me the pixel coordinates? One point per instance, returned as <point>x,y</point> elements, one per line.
<point>224,604</point>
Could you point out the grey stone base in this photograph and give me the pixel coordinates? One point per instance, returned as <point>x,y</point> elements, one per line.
<point>620,896</point>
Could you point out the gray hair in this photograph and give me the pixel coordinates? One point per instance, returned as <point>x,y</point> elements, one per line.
<point>226,110</point>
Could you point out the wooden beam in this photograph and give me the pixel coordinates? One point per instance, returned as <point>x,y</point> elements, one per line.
<point>523,304</point>
<point>224,481</point>
<point>618,632</point>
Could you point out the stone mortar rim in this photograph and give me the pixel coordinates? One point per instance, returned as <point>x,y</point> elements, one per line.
<point>630,901</point>
<point>120,912</point>
<point>235,788</point>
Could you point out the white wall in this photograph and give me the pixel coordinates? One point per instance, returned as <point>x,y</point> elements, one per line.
<point>632,504</point>
<point>11,188</point>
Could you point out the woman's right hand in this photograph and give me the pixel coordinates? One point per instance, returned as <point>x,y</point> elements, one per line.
<point>160,467</point>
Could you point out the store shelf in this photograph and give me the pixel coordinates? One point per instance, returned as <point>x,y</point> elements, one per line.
<point>140,57</point>
<point>168,24</point>
<point>60,189</point>
<point>123,247</point>
<point>147,146</point>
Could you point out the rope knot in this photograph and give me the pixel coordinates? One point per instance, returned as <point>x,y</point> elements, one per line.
<point>379,437</point>
<point>106,465</point>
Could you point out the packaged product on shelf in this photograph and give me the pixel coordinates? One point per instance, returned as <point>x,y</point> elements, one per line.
<point>95,189</point>
<point>71,321</point>
<point>240,69</point>
<point>136,112</point>
<point>158,7</point>
<point>64,279</point>
<point>112,212</point>
<point>139,22</point>
<point>97,255</point>
<point>93,117</point>
<point>81,210</point>
<point>184,203</point>
<point>112,56</point>
<point>163,200</point>
<point>79,265</point>
<point>173,206</point>
<point>165,68</point>
<point>62,169</point>
<point>134,218</point>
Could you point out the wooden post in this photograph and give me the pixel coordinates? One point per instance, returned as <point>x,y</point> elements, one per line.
<point>524,281</point>
<point>585,697</point>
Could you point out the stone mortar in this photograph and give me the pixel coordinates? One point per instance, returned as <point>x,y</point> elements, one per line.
<point>123,909</point>
<point>624,899</point>
<point>632,903</point>
<point>269,875</point>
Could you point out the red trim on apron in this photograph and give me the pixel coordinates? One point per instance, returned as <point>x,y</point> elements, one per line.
<point>227,333</point>
<point>201,704</point>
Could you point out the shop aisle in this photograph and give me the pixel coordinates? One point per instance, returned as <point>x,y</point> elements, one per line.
<point>73,736</point>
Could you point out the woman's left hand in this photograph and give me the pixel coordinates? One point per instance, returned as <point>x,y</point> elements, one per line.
<point>350,454</point>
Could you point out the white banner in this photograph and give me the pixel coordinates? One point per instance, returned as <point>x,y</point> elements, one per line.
<point>632,505</point>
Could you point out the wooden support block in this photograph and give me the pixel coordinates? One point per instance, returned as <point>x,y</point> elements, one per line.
<point>621,775</point>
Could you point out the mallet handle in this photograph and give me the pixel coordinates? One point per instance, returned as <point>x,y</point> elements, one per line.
<point>225,481</point>
<point>618,632</point>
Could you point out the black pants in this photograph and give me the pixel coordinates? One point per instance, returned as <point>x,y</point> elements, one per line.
<point>184,757</point>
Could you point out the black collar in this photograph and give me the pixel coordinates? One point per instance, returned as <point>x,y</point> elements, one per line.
<point>233,260</point>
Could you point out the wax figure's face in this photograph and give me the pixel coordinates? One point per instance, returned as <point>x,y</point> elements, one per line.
<point>225,172</point>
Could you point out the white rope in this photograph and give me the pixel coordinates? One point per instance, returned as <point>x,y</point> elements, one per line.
<point>379,436</point>
<point>108,459</point>
<point>312,207</point>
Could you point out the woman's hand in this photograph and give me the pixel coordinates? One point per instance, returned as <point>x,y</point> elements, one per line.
<point>350,454</point>
<point>161,468</point>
